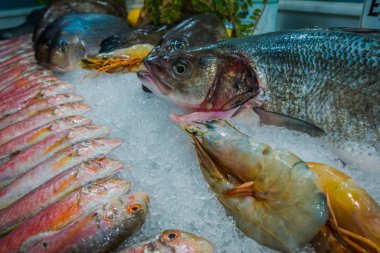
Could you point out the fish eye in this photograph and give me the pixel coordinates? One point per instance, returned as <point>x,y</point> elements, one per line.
<point>170,235</point>
<point>178,44</point>
<point>63,48</point>
<point>135,208</point>
<point>180,68</point>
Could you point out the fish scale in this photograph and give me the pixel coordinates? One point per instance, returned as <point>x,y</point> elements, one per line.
<point>310,69</point>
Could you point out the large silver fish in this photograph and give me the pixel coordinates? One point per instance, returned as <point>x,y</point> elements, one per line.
<point>318,81</point>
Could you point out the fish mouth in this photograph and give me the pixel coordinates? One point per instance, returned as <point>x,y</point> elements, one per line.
<point>152,81</point>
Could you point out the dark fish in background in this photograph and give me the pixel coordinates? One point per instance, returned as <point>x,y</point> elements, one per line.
<point>198,30</point>
<point>74,36</point>
<point>315,79</point>
<point>149,34</point>
<point>27,27</point>
<point>125,52</point>
<point>59,8</point>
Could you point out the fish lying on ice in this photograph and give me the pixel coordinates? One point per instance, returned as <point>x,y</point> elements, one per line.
<point>34,108</point>
<point>97,232</point>
<point>318,81</point>
<point>175,241</point>
<point>38,120</point>
<point>39,152</point>
<point>55,165</point>
<point>272,195</point>
<point>26,140</point>
<point>73,37</point>
<point>27,97</point>
<point>56,188</point>
<point>58,215</point>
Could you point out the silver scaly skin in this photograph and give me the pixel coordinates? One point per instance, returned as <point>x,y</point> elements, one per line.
<point>328,79</point>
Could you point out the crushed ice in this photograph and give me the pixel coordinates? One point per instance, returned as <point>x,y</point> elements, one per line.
<point>161,161</point>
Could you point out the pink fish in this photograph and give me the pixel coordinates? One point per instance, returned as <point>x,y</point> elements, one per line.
<point>100,231</point>
<point>39,134</point>
<point>44,117</point>
<point>55,165</point>
<point>39,152</point>
<point>37,106</point>
<point>18,57</point>
<point>62,213</point>
<point>27,97</point>
<point>56,188</point>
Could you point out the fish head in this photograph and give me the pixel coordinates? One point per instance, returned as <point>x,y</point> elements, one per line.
<point>173,240</point>
<point>181,241</point>
<point>135,209</point>
<point>65,52</point>
<point>197,30</point>
<point>201,79</point>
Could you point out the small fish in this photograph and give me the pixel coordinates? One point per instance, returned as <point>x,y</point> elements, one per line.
<point>73,37</point>
<point>175,241</point>
<point>37,106</point>
<point>39,152</point>
<point>320,80</point>
<point>272,195</point>
<point>58,215</point>
<point>56,188</point>
<point>44,117</point>
<point>26,140</point>
<point>55,165</point>
<point>97,232</point>
<point>25,84</point>
<point>27,97</point>
<point>20,56</point>
<point>60,8</point>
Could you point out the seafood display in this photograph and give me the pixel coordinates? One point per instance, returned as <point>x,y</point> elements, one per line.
<point>259,109</point>
<point>175,241</point>
<point>290,81</point>
<point>56,187</point>
<point>273,196</point>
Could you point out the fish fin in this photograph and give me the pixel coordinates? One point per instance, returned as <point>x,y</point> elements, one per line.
<point>277,119</point>
<point>244,189</point>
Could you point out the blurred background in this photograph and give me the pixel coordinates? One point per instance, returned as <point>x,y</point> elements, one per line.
<point>290,14</point>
